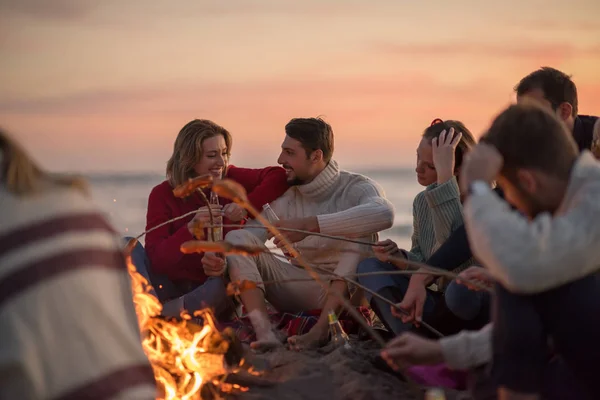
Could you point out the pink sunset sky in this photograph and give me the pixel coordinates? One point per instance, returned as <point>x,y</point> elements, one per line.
<point>106,85</point>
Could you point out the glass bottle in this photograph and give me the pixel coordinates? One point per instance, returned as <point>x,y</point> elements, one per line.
<point>336,332</point>
<point>217,230</point>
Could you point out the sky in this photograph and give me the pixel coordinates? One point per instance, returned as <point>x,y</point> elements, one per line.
<point>106,85</point>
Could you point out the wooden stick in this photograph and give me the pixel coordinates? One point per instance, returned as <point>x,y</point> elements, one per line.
<point>166,223</point>
<point>323,235</point>
<point>392,259</point>
<point>210,215</point>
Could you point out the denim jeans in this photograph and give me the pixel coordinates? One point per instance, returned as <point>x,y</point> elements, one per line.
<point>392,287</point>
<point>178,297</point>
<point>467,304</point>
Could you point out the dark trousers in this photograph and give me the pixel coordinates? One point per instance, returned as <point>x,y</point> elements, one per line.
<point>529,330</point>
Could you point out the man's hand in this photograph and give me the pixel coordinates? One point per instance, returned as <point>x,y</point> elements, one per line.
<point>384,249</point>
<point>409,349</point>
<point>234,212</point>
<point>413,301</point>
<point>309,224</point>
<point>202,217</point>
<point>213,264</point>
<point>443,149</point>
<point>483,163</point>
<point>475,274</point>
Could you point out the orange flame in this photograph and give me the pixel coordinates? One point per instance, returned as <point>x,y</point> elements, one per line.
<point>183,354</point>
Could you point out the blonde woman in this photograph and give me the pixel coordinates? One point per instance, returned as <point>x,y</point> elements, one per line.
<point>194,281</point>
<point>67,320</point>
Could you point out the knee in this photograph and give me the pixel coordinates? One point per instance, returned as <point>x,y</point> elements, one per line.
<point>461,301</point>
<point>243,237</point>
<point>369,265</point>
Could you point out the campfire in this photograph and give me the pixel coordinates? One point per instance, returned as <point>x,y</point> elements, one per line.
<point>190,359</point>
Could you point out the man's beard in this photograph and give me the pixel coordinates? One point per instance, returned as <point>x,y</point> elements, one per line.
<point>296,182</point>
<point>534,206</point>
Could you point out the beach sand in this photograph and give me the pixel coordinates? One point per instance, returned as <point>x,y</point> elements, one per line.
<point>328,373</point>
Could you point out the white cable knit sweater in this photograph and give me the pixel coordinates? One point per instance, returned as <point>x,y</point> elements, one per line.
<point>346,204</point>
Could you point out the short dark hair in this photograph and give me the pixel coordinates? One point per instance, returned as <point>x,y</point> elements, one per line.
<point>467,141</point>
<point>313,134</point>
<point>557,86</point>
<point>529,136</point>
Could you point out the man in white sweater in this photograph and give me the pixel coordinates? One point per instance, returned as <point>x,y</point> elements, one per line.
<point>322,199</point>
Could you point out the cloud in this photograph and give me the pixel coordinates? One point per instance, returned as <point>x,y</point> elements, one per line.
<point>520,51</point>
<point>580,26</point>
<point>336,93</point>
<point>79,9</point>
<point>52,9</point>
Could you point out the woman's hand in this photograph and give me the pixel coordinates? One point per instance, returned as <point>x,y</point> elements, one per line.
<point>384,249</point>
<point>234,212</point>
<point>202,217</point>
<point>213,264</point>
<point>444,148</point>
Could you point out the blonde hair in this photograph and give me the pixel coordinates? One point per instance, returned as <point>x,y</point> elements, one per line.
<point>23,177</point>
<point>187,150</point>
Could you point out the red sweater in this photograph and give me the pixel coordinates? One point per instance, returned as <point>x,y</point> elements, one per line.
<point>162,245</point>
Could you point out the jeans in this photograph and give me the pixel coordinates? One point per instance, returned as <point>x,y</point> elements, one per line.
<point>188,297</point>
<point>393,288</point>
<point>467,304</point>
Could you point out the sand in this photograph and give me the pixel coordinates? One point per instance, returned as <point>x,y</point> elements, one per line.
<point>328,373</point>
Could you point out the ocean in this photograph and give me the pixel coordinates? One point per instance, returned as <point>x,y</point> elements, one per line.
<point>124,199</point>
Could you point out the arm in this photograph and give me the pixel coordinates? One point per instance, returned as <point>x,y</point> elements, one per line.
<point>415,253</point>
<point>371,214</point>
<point>162,246</point>
<point>446,209</point>
<point>468,349</point>
<point>538,255</point>
<point>262,185</point>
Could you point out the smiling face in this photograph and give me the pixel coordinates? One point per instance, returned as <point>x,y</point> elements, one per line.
<point>299,167</point>
<point>426,173</point>
<point>215,157</point>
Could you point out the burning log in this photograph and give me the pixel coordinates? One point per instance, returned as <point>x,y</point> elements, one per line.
<point>185,356</point>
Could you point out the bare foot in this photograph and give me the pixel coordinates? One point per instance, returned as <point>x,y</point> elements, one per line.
<point>310,340</point>
<point>266,342</point>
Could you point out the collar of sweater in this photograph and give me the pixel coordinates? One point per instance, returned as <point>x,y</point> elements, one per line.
<point>322,182</point>
<point>585,170</point>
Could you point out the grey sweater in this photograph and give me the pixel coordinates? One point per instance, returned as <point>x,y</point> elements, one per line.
<point>531,256</point>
